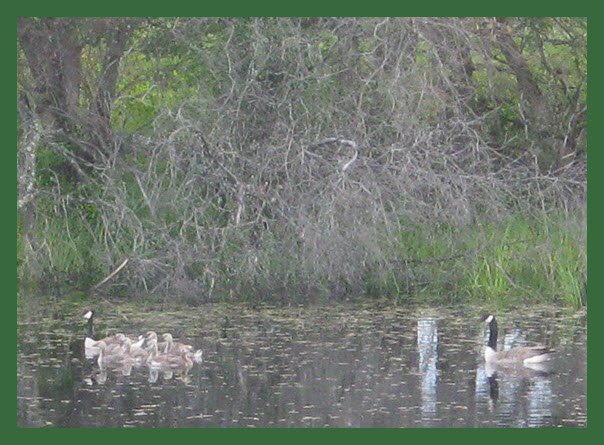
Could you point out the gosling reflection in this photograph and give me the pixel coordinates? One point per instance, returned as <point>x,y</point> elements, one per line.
<point>153,375</point>
<point>115,355</point>
<point>168,374</point>
<point>126,370</point>
<point>100,377</point>
<point>168,358</point>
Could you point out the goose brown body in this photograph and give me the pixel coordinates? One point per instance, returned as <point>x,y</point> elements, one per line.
<point>521,355</point>
<point>115,354</point>
<point>182,360</point>
<point>92,345</point>
<point>172,347</point>
<point>119,349</point>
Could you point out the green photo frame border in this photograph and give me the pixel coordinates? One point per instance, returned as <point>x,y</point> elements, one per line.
<point>309,8</point>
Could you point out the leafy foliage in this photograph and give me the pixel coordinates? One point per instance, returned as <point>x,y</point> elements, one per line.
<point>306,158</point>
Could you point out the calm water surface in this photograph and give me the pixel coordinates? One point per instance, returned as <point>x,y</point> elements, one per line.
<point>337,366</point>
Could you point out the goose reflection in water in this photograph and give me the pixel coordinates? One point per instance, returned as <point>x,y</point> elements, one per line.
<point>167,370</point>
<point>403,367</point>
<point>122,354</point>
<point>168,374</point>
<point>525,371</point>
<point>508,384</point>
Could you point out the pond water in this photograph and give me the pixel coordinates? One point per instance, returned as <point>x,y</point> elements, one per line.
<point>336,366</point>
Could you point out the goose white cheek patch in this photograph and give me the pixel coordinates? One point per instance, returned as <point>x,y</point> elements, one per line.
<point>488,319</point>
<point>87,315</point>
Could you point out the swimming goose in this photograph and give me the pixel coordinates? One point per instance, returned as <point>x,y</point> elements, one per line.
<point>141,353</point>
<point>137,342</point>
<point>90,342</point>
<point>149,337</point>
<point>156,359</point>
<point>177,348</point>
<point>525,355</point>
<point>115,354</point>
<point>172,347</point>
<point>162,346</point>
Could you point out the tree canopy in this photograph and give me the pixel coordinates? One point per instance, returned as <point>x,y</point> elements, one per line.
<point>195,146</point>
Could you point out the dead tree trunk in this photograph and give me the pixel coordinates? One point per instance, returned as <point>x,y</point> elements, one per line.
<point>53,51</point>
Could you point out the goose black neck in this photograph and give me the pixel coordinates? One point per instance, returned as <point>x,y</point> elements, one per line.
<point>493,334</point>
<point>90,333</point>
<point>493,388</point>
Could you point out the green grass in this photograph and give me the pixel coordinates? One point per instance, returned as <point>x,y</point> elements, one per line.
<point>519,260</point>
<point>526,260</point>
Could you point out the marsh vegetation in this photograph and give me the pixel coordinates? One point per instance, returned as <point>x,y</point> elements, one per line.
<point>290,160</point>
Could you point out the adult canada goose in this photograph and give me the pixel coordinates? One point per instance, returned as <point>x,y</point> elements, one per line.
<point>526,355</point>
<point>90,342</point>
